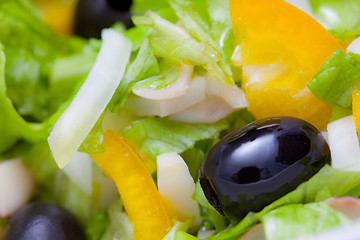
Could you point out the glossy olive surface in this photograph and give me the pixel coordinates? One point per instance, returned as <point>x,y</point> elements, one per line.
<point>254,165</point>
<point>41,221</point>
<point>91,16</point>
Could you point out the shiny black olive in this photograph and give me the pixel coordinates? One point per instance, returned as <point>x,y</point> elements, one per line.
<point>91,16</point>
<point>254,165</point>
<point>42,221</point>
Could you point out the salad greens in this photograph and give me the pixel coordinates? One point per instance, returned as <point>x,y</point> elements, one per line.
<point>337,78</point>
<point>41,74</point>
<point>341,18</point>
<point>286,222</point>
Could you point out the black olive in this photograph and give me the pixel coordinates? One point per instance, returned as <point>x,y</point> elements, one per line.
<point>42,221</point>
<point>91,16</point>
<point>254,165</point>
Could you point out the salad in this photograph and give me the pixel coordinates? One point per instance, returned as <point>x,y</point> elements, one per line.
<point>198,119</point>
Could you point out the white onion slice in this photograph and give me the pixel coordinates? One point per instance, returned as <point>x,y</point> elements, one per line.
<point>344,144</point>
<point>16,186</point>
<point>354,46</point>
<point>210,110</point>
<point>78,119</point>
<point>176,89</point>
<point>79,170</point>
<point>233,95</point>
<point>177,186</point>
<point>162,108</point>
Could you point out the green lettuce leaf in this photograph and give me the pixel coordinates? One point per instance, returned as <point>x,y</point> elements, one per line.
<point>137,36</point>
<point>337,78</point>
<point>94,140</point>
<point>77,67</point>
<point>97,225</point>
<point>120,227</point>
<point>144,65</point>
<point>178,227</point>
<point>161,7</point>
<point>291,221</point>
<point>207,21</point>
<point>30,47</point>
<point>140,7</point>
<point>220,22</point>
<point>38,159</point>
<point>211,218</point>
<point>171,41</point>
<point>12,125</point>
<point>339,15</point>
<point>159,135</point>
<point>169,72</point>
<point>195,17</point>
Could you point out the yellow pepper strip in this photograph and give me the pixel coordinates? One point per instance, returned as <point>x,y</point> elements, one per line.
<point>58,14</point>
<point>141,199</point>
<point>281,49</point>
<point>356,109</point>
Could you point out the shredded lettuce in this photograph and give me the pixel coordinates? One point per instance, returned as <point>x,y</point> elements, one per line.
<point>12,125</point>
<point>339,15</point>
<point>212,219</point>
<point>30,48</point>
<point>97,225</point>
<point>159,135</point>
<point>207,21</point>
<point>291,221</point>
<point>144,65</point>
<point>140,7</point>
<point>169,72</point>
<point>77,67</point>
<point>178,227</point>
<point>173,42</point>
<point>120,227</point>
<point>336,79</point>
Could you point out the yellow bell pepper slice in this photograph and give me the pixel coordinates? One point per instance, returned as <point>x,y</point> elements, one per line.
<point>281,49</point>
<point>141,199</point>
<point>59,14</point>
<point>356,109</point>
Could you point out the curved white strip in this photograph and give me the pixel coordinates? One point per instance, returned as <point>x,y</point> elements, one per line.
<point>210,110</point>
<point>165,107</point>
<point>344,144</point>
<point>354,46</point>
<point>233,95</point>
<point>177,186</point>
<point>16,186</point>
<point>78,119</point>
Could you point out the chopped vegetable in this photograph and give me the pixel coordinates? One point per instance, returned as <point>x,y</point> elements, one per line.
<point>336,79</point>
<point>137,189</point>
<point>356,109</point>
<point>344,144</point>
<point>177,186</point>
<point>272,58</point>
<point>292,221</point>
<point>17,186</point>
<point>89,103</point>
